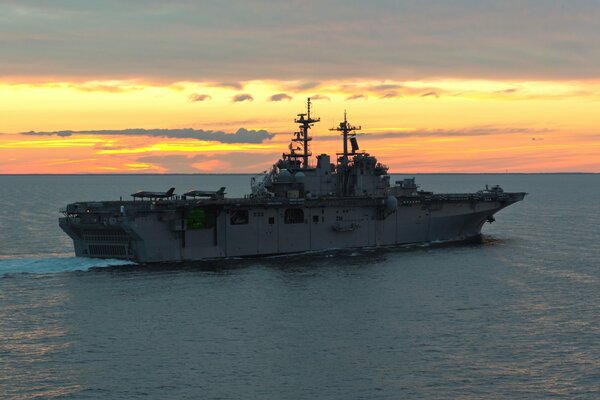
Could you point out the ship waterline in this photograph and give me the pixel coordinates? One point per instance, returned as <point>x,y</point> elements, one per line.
<point>296,207</point>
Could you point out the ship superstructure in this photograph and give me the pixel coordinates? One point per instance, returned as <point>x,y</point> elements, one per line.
<point>296,206</point>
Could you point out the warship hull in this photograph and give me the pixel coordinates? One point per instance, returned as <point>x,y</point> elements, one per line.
<point>296,207</point>
<point>183,230</point>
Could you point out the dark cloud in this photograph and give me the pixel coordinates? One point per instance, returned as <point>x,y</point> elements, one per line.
<point>230,85</point>
<point>480,131</point>
<point>390,95</point>
<point>385,87</point>
<point>356,97</point>
<point>443,133</point>
<point>394,90</point>
<point>53,133</point>
<point>280,97</point>
<point>242,97</point>
<point>431,94</point>
<point>199,97</point>
<point>319,97</point>
<point>306,85</point>
<point>508,91</point>
<point>242,135</point>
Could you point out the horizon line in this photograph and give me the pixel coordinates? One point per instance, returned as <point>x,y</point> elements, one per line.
<point>260,173</point>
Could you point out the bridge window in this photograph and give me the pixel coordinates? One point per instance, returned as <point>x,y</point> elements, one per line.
<point>239,217</point>
<point>294,216</point>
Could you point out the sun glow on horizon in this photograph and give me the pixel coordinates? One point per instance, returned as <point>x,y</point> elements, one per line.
<point>442,125</point>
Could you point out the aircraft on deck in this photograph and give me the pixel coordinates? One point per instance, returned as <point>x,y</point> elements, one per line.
<point>219,194</point>
<point>154,195</point>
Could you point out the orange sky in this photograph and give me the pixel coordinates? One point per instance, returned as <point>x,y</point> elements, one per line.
<point>205,86</point>
<point>436,125</point>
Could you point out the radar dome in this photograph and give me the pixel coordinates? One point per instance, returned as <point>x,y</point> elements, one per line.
<point>284,176</point>
<point>299,177</point>
<point>391,203</point>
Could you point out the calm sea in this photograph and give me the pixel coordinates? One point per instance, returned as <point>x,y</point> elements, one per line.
<point>517,316</point>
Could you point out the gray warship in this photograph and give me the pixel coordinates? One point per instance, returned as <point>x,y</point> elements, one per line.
<point>299,205</point>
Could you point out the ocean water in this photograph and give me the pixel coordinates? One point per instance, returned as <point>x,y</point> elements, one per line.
<point>517,316</point>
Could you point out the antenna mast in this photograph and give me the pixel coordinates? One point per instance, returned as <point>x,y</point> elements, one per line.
<point>348,131</point>
<point>301,137</point>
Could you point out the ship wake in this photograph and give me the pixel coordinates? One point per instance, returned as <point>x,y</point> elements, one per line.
<point>47,265</point>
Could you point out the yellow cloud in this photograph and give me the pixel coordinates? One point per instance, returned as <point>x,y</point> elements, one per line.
<point>48,144</point>
<point>190,147</point>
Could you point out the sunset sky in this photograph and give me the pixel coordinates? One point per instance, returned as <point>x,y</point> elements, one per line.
<point>214,86</point>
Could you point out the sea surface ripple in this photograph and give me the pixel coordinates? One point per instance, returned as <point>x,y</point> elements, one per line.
<point>517,316</point>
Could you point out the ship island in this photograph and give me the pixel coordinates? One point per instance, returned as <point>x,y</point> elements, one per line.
<point>302,204</point>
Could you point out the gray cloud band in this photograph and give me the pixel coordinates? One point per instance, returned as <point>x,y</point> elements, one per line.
<point>242,135</point>
<point>472,132</point>
<point>461,38</point>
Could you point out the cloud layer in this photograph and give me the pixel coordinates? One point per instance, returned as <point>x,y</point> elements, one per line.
<point>280,97</point>
<point>242,135</point>
<point>200,97</point>
<point>518,39</point>
<point>448,133</point>
<point>242,97</point>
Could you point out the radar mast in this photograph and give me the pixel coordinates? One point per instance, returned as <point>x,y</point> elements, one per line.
<point>348,132</point>
<point>301,138</point>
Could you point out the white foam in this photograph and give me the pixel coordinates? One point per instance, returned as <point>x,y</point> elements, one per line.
<point>45,265</point>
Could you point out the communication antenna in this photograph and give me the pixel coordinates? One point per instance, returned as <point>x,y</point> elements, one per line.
<point>301,137</point>
<point>348,131</point>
